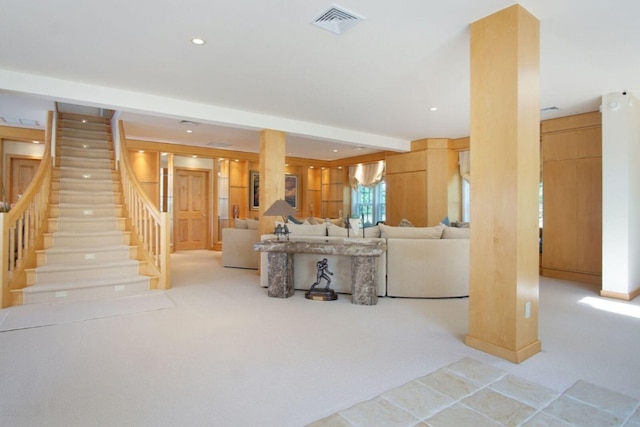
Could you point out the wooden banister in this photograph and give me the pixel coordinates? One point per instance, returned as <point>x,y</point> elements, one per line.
<point>24,224</point>
<point>150,226</point>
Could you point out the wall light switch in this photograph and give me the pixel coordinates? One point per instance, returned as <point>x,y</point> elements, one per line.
<point>527,310</point>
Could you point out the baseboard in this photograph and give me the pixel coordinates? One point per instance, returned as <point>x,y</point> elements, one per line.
<point>593,279</point>
<point>620,295</point>
<point>514,356</point>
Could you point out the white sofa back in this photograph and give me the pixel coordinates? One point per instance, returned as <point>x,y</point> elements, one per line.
<point>237,248</point>
<point>427,268</point>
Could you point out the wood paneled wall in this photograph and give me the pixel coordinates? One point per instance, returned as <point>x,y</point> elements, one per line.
<point>146,166</point>
<point>572,186</point>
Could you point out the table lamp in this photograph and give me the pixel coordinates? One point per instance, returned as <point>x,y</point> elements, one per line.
<point>280,208</point>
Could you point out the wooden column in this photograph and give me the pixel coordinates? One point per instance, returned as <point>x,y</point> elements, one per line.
<point>437,180</point>
<point>272,159</point>
<point>505,171</point>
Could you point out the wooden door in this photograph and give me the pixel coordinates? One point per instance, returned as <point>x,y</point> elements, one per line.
<point>22,173</point>
<point>191,209</point>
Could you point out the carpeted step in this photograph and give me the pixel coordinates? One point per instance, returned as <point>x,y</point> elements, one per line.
<point>85,197</point>
<point>85,134</point>
<point>79,210</point>
<point>80,184</point>
<point>94,254</point>
<point>71,141</point>
<point>84,125</point>
<point>91,153</point>
<point>87,164</point>
<point>84,173</point>
<point>67,239</point>
<point>86,224</point>
<point>89,289</point>
<point>56,273</point>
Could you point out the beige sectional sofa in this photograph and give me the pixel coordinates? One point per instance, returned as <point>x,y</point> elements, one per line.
<point>420,262</point>
<point>237,245</point>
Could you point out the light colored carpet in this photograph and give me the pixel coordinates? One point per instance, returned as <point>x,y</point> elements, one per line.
<point>228,355</point>
<point>56,313</point>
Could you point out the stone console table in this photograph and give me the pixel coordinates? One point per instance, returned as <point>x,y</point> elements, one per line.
<point>363,266</point>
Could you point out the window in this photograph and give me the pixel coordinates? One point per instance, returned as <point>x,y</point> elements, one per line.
<point>369,203</point>
<point>466,201</point>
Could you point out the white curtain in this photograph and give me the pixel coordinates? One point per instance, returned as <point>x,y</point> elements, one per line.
<point>369,175</point>
<point>465,165</point>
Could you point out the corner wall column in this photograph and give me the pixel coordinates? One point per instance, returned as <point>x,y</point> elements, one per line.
<point>272,160</point>
<point>505,164</point>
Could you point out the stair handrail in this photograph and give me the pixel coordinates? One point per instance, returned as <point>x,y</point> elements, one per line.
<point>25,223</point>
<point>149,224</point>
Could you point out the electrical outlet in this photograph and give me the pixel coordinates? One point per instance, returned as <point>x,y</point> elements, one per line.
<point>61,294</point>
<point>89,256</point>
<point>527,310</point>
<point>119,288</point>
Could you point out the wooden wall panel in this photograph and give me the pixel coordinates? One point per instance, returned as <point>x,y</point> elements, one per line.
<point>572,185</point>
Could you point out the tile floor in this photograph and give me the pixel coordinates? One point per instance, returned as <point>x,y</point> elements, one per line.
<point>470,393</point>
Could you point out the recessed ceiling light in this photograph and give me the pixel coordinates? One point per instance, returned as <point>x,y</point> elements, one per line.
<point>359,148</point>
<point>335,151</point>
<point>433,109</point>
<point>194,156</point>
<point>189,131</point>
<point>141,151</point>
<point>36,142</point>
<point>197,41</point>
<point>311,167</point>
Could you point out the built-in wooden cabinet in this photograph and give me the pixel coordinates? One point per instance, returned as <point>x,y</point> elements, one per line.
<point>572,198</point>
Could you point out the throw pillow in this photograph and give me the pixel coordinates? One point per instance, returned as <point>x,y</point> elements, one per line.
<point>307,230</point>
<point>405,223</point>
<point>388,231</point>
<point>369,232</point>
<point>455,233</point>
<point>338,221</point>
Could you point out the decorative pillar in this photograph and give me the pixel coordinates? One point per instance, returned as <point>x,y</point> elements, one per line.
<point>272,160</point>
<point>505,164</point>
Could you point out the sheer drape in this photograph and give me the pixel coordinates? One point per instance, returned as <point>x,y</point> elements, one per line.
<point>368,175</point>
<point>465,165</point>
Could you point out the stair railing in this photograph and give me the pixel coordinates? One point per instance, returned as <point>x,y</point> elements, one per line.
<point>25,223</point>
<point>150,226</point>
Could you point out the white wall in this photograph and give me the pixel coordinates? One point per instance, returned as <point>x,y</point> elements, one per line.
<point>621,194</point>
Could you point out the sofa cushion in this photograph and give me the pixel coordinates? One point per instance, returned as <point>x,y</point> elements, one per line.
<point>308,230</point>
<point>455,233</point>
<point>252,224</point>
<point>388,231</point>
<point>369,232</point>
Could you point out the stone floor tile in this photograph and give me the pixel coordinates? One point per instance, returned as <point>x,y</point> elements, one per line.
<point>418,399</point>
<point>460,415</point>
<point>476,371</point>
<point>581,414</point>
<point>449,383</point>
<point>335,420</point>
<point>499,407</point>
<point>543,419</point>
<point>378,412</point>
<point>603,398</point>
<point>527,392</point>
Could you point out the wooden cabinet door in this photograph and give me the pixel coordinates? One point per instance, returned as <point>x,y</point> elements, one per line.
<point>191,209</point>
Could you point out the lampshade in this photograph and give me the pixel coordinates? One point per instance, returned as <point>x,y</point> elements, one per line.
<point>279,208</point>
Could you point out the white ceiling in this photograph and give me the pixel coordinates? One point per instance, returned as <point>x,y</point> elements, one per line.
<point>265,66</point>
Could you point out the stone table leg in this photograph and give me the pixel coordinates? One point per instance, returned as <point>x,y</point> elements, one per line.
<point>280,275</point>
<point>363,280</point>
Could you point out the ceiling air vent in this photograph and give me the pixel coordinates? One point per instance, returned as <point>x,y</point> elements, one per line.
<point>337,20</point>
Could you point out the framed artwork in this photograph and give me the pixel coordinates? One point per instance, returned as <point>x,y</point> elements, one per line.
<point>254,190</point>
<point>290,190</point>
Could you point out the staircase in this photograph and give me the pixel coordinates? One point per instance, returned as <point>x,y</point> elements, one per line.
<point>87,251</point>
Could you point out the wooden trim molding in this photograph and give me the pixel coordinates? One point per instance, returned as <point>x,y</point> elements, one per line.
<point>620,295</point>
